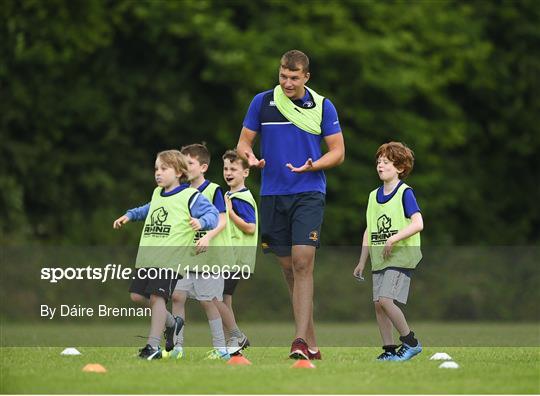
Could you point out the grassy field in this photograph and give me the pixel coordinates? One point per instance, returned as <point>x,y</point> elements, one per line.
<point>366,334</point>
<point>351,369</point>
<point>343,370</point>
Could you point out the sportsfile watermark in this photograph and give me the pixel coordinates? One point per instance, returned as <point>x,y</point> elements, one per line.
<point>113,272</point>
<point>103,274</point>
<point>457,296</point>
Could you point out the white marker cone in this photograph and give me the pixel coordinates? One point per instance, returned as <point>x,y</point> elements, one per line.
<point>440,356</point>
<point>70,352</point>
<point>450,365</point>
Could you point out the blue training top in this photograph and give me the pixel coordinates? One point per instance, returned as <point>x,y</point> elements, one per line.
<point>283,142</point>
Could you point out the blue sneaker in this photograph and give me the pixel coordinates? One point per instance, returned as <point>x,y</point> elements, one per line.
<point>406,352</point>
<point>218,354</point>
<point>386,356</point>
<point>177,353</point>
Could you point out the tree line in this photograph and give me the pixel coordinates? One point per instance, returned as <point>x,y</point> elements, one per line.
<point>91,90</point>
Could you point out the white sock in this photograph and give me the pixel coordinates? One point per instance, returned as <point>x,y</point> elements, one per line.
<point>169,322</point>
<point>154,342</point>
<point>218,337</point>
<point>180,338</point>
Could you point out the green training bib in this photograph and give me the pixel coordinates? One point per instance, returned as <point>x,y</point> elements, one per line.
<point>245,245</point>
<point>167,238</point>
<point>220,252</point>
<point>307,119</point>
<point>385,220</point>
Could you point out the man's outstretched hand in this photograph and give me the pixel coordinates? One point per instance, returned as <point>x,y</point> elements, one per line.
<point>253,161</point>
<point>304,168</point>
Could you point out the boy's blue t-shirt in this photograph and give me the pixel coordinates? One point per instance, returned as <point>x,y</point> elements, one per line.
<point>410,205</point>
<point>283,142</point>
<point>219,200</point>
<point>243,209</point>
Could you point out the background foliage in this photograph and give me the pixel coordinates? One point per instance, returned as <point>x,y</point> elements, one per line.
<point>93,89</point>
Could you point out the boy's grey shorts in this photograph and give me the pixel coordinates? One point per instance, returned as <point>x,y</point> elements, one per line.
<point>391,284</point>
<point>202,288</point>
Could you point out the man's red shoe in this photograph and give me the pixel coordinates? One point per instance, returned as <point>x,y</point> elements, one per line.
<point>299,350</point>
<point>314,356</point>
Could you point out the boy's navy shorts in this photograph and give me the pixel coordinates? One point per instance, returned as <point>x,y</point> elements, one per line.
<point>162,286</point>
<point>230,286</point>
<point>288,220</point>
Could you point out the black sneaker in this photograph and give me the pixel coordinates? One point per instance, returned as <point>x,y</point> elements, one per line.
<point>150,353</point>
<point>172,332</point>
<point>385,356</point>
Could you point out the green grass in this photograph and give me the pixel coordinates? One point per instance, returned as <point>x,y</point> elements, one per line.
<point>365,334</point>
<point>343,370</point>
<point>493,358</point>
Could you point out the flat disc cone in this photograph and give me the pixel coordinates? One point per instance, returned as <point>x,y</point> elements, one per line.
<point>238,360</point>
<point>303,364</point>
<point>94,368</point>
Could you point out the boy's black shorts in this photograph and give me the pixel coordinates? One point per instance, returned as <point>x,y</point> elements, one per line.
<point>288,220</point>
<point>163,285</point>
<point>230,286</point>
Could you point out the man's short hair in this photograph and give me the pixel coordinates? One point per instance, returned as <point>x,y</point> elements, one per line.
<point>199,151</point>
<point>295,60</point>
<point>401,156</point>
<point>232,155</point>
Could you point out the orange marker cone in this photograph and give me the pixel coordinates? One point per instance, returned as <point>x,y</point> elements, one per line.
<point>94,368</point>
<point>238,360</point>
<point>303,364</point>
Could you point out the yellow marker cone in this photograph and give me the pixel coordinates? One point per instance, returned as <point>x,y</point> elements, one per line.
<point>238,360</point>
<point>303,364</point>
<point>94,368</point>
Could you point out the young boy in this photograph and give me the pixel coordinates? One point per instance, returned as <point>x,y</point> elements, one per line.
<point>242,211</point>
<point>392,241</point>
<point>217,243</point>
<point>176,213</point>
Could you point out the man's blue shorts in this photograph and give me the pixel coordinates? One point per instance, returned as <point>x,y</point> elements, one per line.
<point>288,220</point>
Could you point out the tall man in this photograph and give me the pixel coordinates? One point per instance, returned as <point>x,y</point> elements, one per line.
<point>292,120</point>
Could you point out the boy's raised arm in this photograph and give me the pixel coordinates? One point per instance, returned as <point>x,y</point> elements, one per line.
<point>245,227</point>
<point>139,213</point>
<point>134,214</point>
<point>417,225</point>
